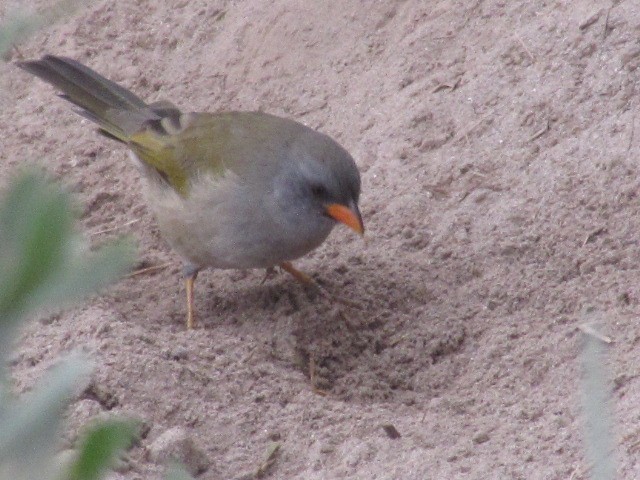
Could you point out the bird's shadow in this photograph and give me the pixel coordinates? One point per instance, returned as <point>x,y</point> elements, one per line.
<point>361,336</point>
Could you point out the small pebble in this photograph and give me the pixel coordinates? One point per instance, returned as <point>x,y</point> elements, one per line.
<point>481,438</point>
<point>391,431</point>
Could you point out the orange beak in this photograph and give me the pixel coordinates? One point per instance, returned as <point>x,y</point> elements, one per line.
<point>349,216</point>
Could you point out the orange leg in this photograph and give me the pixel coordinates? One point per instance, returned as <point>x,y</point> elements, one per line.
<point>190,275</point>
<point>297,274</point>
<point>307,280</point>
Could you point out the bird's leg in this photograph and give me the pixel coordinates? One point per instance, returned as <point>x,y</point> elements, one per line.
<point>308,280</point>
<point>305,279</point>
<point>297,274</point>
<point>190,275</point>
<point>269,272</point>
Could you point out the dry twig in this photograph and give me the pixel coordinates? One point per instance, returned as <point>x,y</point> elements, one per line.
<point>117,227</point>
<point>592,332</point>
<point>153,268</point>
<point>540,132</point>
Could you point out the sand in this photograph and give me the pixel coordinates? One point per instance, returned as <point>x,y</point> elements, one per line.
<point>498,149</point>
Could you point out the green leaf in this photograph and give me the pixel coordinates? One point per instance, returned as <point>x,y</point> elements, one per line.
<point>35,222</point>
<point>100,448</point>
<point>29,426</point>
<point>43,262</point>
<point>85,274</point>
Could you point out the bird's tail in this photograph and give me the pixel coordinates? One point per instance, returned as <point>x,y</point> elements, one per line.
<point>118,112</point>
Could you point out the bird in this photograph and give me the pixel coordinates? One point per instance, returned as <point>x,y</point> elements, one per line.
<point>230,189</point>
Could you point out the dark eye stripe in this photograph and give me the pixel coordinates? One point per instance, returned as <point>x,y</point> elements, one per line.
<point>319,190</point>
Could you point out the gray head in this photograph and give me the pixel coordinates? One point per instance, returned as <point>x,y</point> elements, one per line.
<point>324,186</point>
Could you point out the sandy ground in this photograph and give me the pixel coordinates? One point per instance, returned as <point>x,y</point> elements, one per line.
<point>498,148</point>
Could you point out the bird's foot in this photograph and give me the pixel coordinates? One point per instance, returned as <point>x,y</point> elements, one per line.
<point>307,280</point>
<point>269,273</point>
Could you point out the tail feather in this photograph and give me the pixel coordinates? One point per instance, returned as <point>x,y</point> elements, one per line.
<point>117,111</point>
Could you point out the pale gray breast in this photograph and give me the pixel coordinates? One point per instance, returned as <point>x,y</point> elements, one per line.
<point>224,223</point>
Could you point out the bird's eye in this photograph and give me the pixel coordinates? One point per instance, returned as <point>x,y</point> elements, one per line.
<point>318,190</point>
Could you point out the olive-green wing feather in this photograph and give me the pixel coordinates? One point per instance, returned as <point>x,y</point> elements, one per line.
<point>180,147</point>
<point>188,145</point>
